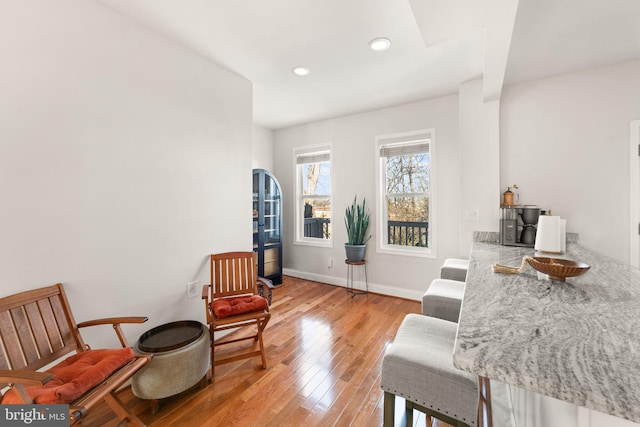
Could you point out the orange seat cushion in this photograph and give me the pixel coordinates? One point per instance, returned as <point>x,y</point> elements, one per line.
<point>75,376</point>
<point>231,306</point>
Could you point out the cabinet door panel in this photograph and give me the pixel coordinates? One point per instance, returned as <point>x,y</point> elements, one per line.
<point>267,225</point>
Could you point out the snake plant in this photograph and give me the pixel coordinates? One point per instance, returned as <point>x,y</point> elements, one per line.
<point>356,219</point>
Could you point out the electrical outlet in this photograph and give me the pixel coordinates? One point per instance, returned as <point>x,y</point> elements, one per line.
<point>193,290</point>
<point>330,263</point>
<point>473,215</point>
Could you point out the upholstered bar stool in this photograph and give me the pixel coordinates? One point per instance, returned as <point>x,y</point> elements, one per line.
<point>443,299</point>
<point>454,269</point>
<point>418,366</point>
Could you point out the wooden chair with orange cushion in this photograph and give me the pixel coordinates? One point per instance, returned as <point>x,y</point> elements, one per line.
<point>37,328</point>
<point>232,301</point>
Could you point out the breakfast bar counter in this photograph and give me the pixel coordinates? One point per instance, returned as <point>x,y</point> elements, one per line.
<point>577,341</point>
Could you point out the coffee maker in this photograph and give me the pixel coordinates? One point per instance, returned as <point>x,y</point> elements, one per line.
<point>518,225</point>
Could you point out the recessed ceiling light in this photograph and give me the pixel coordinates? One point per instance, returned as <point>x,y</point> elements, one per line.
<point>301,71</point>
<point>380,44</point>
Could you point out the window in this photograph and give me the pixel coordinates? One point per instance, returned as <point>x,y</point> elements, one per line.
<point>405,197</point>
<point>313,196</point>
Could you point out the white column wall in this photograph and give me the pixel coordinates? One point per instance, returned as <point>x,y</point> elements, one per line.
<point>479,164</point>
<point>262,145</point>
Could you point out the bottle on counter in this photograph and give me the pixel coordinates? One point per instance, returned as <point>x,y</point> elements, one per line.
<point>516,194</point>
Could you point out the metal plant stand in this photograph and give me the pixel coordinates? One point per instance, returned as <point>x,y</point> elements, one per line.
<point>350,288</point>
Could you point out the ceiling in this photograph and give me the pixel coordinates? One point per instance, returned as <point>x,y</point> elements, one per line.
<point>436,45</point>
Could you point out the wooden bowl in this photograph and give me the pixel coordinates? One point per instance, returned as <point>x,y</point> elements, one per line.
<point>558,269</point>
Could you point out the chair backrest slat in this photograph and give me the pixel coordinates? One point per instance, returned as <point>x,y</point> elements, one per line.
<point>12,354</point>
<point>54,336</point>
<point>23,331</point>
<point>38,329</point>
<point>233,273</point>
<point>62,313</point>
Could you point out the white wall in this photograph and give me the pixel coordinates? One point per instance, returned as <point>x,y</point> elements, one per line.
<point>262,148</point>
<point>117,151</point>
<point>353,168</point>
<point>565,142</point>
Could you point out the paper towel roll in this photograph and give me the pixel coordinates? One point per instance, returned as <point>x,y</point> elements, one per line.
<point>549,234</point>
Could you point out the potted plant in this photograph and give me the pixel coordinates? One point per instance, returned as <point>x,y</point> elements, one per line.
<point>356,219</point>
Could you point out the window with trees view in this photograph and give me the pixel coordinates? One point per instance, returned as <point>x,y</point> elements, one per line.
<point>405,192</point>
<point>313,210</point>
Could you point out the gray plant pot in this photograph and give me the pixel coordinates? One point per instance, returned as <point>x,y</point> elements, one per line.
<point>355,253</point>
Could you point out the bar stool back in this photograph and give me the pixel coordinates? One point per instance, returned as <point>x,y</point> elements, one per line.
<point>454,269</point>
<point>443,299</point>
<point>418,366</point>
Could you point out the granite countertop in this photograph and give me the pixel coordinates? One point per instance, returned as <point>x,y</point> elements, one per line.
<point>577,341</point>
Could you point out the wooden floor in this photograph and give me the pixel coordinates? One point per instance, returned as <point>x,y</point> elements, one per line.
<point>324,352</point>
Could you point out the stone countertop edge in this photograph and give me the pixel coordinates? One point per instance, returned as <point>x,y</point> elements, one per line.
<point>578,341</point>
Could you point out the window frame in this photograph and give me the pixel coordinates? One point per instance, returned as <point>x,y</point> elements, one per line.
<point>381,211</point>
<point>299,238</point>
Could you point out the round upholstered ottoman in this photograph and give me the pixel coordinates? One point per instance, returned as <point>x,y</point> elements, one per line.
<point>180,360</point>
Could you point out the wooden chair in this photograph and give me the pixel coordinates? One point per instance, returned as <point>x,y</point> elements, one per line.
<point>37,328</point>
<point>232,301</point>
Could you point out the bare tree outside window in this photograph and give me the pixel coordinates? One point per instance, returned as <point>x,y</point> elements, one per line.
<point>314,171</point>
<point>407,195</point>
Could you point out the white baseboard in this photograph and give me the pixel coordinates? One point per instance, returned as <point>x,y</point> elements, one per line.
<point>378,289</point>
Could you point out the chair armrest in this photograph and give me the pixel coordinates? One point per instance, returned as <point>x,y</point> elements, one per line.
<point>262,283</point>
<point>24,377</point>
<point>18,379</point>
<point>115,321</point>
<point>205,292</point>
<point>207,308</point>
<point>265,282</point>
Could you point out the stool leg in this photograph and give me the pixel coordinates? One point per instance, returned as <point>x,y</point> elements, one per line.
<point>408,413</point>
<point>389,409</point>
<point>485,418</point>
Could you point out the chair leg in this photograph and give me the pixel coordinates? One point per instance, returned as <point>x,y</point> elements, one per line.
<point>262,353</point>
<point>213,361</point>
<point>389,409</point>
<point>408,413</point>
<point>260,325</point>
<point>120,410</point>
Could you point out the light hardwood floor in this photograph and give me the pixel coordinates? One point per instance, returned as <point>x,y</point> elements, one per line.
<point>324,352</point>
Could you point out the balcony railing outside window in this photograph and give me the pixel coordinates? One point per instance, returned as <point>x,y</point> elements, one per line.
<point>402,233</point>
<point>408,233</point>
<point>317,227</point>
